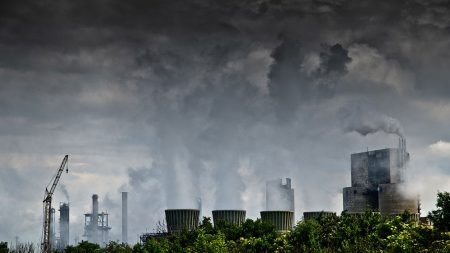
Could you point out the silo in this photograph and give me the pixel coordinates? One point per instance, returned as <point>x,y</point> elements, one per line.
<point>181,219</point>
<point>282,220</point>
<point>235,217</point>
<point>317,215</point>
<point>393,200</point>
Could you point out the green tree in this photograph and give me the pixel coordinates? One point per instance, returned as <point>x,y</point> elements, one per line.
<point>4,247</point>
<point>305,237</point>
<point>441,216</point>
<point>114,247</point>
<point>209,243</point>
<point>84,247</point>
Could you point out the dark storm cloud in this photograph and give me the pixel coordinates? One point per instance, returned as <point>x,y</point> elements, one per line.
<point>210,98</point>
<point>335,60</point>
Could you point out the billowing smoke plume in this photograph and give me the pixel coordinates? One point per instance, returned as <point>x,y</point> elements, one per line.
<point>211,103</point>
<point>63,190</point>
<point>358,117</point>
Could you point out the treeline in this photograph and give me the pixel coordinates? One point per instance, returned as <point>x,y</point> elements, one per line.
<point>368,232</point>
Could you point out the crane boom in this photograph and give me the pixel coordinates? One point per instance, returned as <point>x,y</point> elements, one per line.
<point>46,246</point>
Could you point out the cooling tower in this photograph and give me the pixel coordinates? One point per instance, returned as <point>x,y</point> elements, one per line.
<point>394,201</point>
<point>181,219</point>
<point>317,215</point>
<point>235,217</point>
<point>282,220</point>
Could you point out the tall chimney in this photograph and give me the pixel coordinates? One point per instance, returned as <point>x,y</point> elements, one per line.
<point>124,217</point>
<point>94,221</point>
<point>63,225</point>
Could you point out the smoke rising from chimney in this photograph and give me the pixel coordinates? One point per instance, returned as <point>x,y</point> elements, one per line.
<point>358,117</point>
<point>63,189</point>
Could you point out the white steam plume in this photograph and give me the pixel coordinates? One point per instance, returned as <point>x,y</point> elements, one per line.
<point>358,117</point>
<point>63,189</point>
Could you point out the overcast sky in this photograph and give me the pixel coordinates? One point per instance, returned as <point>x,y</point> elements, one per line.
<point>174,101</point>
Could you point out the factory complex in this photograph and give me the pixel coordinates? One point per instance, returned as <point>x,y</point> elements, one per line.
<point>378,184</point>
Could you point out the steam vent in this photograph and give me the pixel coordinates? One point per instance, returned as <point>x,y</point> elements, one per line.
<point>282,220</point>
<point>182,219</point>
<point>378,182</point>
<point>235,217</point>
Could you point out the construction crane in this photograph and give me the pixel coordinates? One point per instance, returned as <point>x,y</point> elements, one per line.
<point>46,245</point>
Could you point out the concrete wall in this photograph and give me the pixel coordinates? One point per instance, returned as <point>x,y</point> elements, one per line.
<point>359,199</point>
<point>359,170</point>
<point>369,169</point>
<point>379,168</point>
<point>393,199</point>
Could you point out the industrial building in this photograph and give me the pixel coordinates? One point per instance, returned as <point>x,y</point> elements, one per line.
<point>378,182</point>
<point>63,241</point>
<point>96,225</point>
<point>279,195</point>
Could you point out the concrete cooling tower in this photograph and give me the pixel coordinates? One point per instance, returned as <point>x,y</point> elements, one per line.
<point>282,220</point>
<point>235,217</point>
<point>182,219</point>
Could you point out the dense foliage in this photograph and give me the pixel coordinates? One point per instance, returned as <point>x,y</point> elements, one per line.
<point>441,216</point>
<point>369,232</point>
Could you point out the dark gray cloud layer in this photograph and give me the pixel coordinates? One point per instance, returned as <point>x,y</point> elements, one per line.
<point>179,100</point>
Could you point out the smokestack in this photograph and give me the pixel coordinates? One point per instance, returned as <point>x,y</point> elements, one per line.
<point>94,221</point>
<point>124,217</point>
<point>63,225</point>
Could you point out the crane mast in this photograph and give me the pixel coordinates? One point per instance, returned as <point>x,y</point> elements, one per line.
<point>46,245</point>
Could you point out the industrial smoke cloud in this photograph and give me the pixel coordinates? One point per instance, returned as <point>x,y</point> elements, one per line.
<point>358,117</point>
<point>208,99</point>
